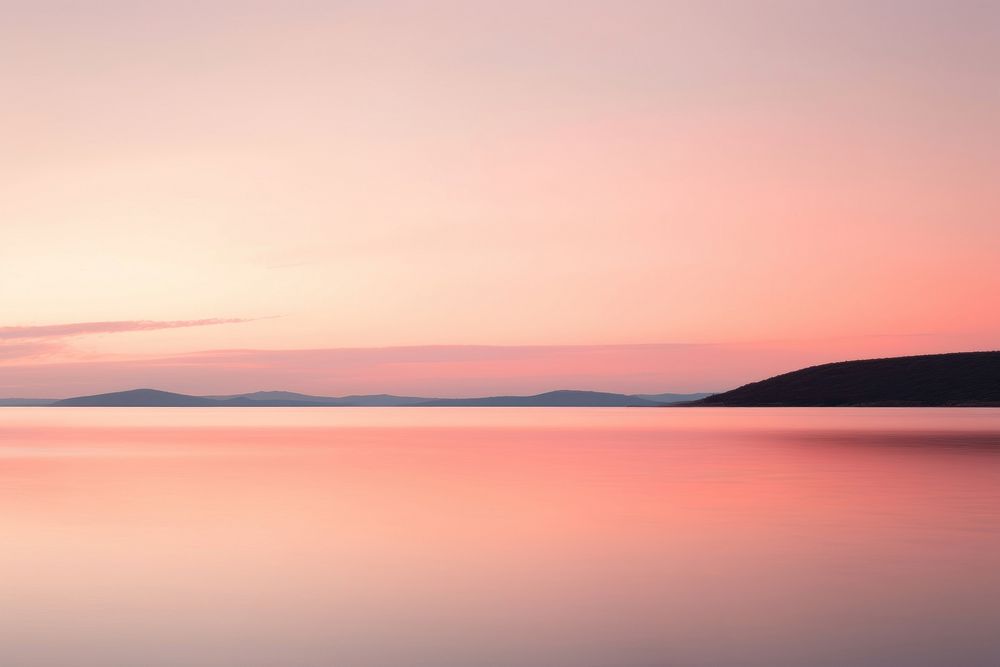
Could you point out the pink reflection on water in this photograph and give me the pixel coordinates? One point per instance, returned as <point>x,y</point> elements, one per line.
<point>548,537</point>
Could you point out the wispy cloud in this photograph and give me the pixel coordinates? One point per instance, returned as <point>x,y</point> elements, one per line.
<point>29,350</point>
<point>120,326</point>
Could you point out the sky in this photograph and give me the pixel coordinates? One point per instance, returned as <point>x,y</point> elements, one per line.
<point>460,198</point>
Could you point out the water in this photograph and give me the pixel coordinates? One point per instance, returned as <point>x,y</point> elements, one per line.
<point>503,537</point>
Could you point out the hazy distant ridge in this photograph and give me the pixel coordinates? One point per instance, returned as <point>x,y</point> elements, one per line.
<point>956,379</point>
<point>25,402</point>
<point>561,398</point>
<point>139,398</point>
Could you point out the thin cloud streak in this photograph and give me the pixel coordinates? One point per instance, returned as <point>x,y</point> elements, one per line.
<point>121,326</point>
<point>30,350</point>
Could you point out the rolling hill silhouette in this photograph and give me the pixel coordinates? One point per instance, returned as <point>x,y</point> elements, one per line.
<point>956,379</point>
<point>156,398</point>
<point>138,398</point>
<point>561,398</point>
<point>356,400</point>
<point>25,402</point>
<point>674,398</point>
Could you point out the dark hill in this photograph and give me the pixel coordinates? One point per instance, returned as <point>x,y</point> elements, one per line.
<point>561,398</point>
<point>674,398</point>
<point>958,379</point>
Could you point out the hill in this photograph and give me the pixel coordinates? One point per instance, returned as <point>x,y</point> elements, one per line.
<point>291,398</point>
<point>25,402</point>
<point>138,398</point>
<point>561,398</point>
<point>286,398</point>
<point>957,379</point>
<point>674,398</point>
<point>155,398</point>
<point>384,400</point>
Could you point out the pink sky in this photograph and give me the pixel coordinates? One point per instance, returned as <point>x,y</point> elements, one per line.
<point>460,198</point>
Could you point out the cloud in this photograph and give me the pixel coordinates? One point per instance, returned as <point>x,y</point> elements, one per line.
<point>121,326</point>
<point>29,350</point>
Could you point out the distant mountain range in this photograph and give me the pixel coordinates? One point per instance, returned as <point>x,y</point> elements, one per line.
<point>25,402</point>
<point>259,399</point>
<point>958,379</point>
<point>562,398</point>
<point>138,398</point>
<point>292,398</point>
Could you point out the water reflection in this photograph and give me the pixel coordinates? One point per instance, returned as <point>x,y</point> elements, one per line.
<point>499,538</point>
<point>988,442</point>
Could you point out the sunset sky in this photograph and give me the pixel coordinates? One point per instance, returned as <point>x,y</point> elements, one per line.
<point>467,197</point>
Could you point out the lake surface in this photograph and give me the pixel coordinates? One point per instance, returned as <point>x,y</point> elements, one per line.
<point>499,537</point>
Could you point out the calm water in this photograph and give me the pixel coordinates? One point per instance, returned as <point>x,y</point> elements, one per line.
<point>501,537</point>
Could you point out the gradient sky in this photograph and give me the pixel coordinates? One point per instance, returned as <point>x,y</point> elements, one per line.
<point>457,198</point>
